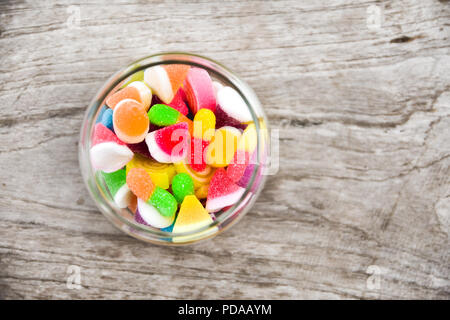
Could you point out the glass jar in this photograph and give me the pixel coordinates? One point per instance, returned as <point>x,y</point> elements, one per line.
<point>124,218</point>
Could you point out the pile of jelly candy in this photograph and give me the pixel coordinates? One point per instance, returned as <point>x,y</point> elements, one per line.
<point>174,146</point>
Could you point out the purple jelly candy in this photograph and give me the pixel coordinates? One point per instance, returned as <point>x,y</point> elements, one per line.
<point>223,119</point>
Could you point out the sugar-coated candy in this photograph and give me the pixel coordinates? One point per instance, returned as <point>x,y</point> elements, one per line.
<point>151,216</point>
<point>199,90</point>
<point>169,144</point>
<point>197,159</point>
<point>232,103</point>
<point>144,92</point>
<point>141,184</point>
<point>117,185</point>
<point>130,121</point>
<point>163,116</point>
<point>237,166</point>
<point>223,119</point>
<point>246,147</point>
<point>204,124</point>
<point>192,216</point>
<point>160,173</point>
<point>200,178</point>
<point>222,191</point>
<point>164,202</point>
<point>182,186</point>
<point>179,102</point>
<point>221,150</point>
<point>166,80</point>
<point>136,90</point>
<point>108,153</point>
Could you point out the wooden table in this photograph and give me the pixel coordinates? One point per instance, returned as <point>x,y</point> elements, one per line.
<point>360,93</point>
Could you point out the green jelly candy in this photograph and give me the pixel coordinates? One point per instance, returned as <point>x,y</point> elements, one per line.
<point>163,115</point>
<point>164,202</point>
<point>182,186</point>
<point>115,180</point>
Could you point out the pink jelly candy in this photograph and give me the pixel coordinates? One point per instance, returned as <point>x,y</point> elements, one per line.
<point>222,191</point>
<point>169,144</point>
<point>199,90</point>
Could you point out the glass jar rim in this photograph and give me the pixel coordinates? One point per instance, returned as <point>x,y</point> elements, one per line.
<point>226,218</point>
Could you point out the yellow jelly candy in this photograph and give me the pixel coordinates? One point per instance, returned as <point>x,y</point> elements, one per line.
<point>204,124</point>
<point>221,150</point>
<point>161,173</point>
<point>202,192</point>
<point>200,178</point>
<point>192,216</point>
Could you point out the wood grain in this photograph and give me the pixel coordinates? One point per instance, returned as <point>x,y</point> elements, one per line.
<point>364,180</point>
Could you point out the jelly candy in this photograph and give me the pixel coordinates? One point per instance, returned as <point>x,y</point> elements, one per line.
<point>117,185</point>
<point>136,90</point>
<point>130,121</point>
<point>151,216</point>
<point>178,102</point>
<point>246,148</point>
<point>163,115</point>
<point>222,191</point>
<point>203,132</point>
<point>200,178</point>
<point>223,119</point>
<point>221,150</point>
<point>141,184</point>
<point>192,216</point>
<point>140,148</point>
<point>160,173</point>
<point>233,105</point>
<point>108,153</point>
<point>199,90</point>
<point>166,80</point>
<point>169,144</point>
<point>182,185</point>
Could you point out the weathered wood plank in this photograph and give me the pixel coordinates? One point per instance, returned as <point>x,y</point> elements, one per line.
<point>363,113</point>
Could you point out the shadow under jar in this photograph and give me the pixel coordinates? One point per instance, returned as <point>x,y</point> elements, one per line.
<point>124,218</point>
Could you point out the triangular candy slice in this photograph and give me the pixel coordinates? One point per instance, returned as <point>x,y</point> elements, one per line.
<point>192,216</point>
<point>222,191</point>
<point>117,185</point>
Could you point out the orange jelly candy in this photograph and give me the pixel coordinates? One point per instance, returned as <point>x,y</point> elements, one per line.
<point>176,73</point>
<point>140,183</point>
<point>130,121</point>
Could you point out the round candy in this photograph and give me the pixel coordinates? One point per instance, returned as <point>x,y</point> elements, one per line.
<point>130,121</point>
<point>182,185</point>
